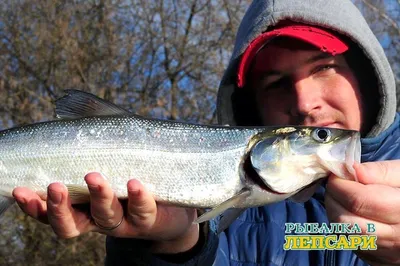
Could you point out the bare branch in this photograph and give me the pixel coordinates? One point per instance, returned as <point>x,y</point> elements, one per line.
<point>382,14</point>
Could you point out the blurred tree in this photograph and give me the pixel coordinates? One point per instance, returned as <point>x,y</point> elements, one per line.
<point>383,17</point>
<point>161,58</point>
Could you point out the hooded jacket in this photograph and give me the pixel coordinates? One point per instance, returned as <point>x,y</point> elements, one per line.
<point>258,235</point>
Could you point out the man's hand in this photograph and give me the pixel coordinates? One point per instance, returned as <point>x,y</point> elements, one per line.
<point>171,228</point>
<point>376,199</point>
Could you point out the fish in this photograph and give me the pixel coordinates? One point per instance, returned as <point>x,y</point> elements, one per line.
<point>222,169</point>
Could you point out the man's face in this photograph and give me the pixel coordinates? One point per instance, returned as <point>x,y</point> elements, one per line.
<point>305,87</point>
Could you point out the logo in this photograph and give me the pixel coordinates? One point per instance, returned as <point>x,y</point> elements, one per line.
<point>341,236</point>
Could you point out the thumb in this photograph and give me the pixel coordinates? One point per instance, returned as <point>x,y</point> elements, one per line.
<point>382,172</point>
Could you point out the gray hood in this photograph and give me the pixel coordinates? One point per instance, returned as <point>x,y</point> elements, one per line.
<point>338,15</point>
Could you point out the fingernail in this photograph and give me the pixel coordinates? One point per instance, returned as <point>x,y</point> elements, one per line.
<point>95,181</point>
<point>18,198</point>
<point>93,187</point>
<point>366,167</point>
<point>55,196</point>
<point>22,201</point>
<point>134,192</point>
<point>133,188</point>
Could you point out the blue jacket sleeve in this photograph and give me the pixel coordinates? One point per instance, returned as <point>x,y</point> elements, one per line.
<point>128,251</point>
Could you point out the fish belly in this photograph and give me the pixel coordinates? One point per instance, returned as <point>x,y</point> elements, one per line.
<point>186,177</point>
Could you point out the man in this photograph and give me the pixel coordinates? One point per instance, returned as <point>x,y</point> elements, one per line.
<point>306,62</point>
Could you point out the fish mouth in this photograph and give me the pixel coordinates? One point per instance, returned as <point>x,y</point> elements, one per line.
<point>252,176</point>
<point>347,152</point>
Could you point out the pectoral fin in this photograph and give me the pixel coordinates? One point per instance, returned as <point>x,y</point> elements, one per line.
<point>228,217</point>
<point>5,203</point>
<point>306,193</point>
<point>230,203</point>
<point>78,194</point>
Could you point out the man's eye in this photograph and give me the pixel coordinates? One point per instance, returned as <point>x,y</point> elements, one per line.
<point>279,84</point>
<point>325,68</point>
<point>271,86</point>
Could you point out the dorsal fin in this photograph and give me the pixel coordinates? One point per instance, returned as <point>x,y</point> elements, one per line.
<point>77,104</point>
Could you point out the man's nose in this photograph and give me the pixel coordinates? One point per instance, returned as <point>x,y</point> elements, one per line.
<point>307,97</point>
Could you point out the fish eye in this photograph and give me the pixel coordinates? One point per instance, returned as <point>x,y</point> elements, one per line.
<point>322,135</point>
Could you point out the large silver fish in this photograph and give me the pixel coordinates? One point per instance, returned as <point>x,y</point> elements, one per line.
<point>182,164</point>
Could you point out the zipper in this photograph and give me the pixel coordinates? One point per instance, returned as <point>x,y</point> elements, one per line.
<point>329,258</point>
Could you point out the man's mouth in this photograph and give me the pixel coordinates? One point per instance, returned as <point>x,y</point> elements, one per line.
<point>327,124</point>
<point>331,124</point>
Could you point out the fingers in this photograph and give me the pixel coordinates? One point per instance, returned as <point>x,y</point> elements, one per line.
<point>382,172</point>
<point>361,199</point>
<point>106,210</point>
<point>143,217</point>
<point>383,256</point>
<point>31,203</point>
<point>65,220</point>
<point>338,214</point>
<point>171,228</point>
<point>142,208</point>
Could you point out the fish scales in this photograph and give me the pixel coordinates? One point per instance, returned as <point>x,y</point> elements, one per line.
<point>167,157</point>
